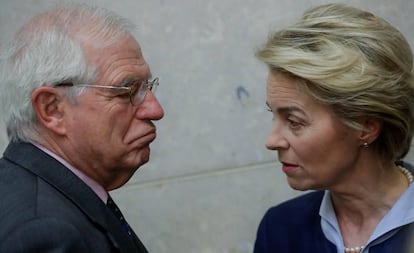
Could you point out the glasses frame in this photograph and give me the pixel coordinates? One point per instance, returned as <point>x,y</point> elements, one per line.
<point>135,99</point>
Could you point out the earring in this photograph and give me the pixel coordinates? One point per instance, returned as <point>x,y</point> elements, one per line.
<point>365,144</point>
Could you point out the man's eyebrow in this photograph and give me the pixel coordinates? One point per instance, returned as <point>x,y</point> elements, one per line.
<point>126,81</point>
<point>129,79</point>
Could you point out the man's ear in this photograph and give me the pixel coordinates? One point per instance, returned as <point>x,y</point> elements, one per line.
<point>47,103</point>
<point>372,129</point>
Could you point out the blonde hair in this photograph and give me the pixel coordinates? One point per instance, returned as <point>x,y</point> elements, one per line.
<point>354,62</point>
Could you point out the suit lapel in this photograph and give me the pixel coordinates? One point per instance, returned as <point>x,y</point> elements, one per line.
<point>62,179</point>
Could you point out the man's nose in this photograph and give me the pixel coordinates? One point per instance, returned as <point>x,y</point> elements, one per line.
<point>150,108</point>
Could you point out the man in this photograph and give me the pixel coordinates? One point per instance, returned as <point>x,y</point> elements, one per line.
<point>79,109</point>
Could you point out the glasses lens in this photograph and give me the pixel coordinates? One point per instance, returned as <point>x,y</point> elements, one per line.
<point>154,84</point>
<point>141,90</point>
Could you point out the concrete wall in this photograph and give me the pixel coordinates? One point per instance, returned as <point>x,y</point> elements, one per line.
<point>210,178</point>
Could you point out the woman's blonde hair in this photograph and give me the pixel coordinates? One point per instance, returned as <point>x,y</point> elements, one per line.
<point>354,62</point>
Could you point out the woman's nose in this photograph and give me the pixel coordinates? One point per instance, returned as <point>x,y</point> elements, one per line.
<point>276,139</point>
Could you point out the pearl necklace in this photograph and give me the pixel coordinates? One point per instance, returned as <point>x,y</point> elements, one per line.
<point>353,250</point>
<point>407,174</point>
<point>410,179</point>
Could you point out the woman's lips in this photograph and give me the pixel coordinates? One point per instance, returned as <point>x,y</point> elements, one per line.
<point>289,168</point>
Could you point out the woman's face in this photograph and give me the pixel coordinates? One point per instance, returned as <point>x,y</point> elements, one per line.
<point>316,150</point>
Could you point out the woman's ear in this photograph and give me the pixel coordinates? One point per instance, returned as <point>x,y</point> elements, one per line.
<point>371,131</point>
<point>47,103</point>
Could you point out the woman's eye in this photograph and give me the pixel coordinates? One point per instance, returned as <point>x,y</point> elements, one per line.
<point>295,125</point>
<point>268,108</point>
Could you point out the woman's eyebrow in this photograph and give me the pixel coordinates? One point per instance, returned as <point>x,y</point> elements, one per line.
<point>287,109</point>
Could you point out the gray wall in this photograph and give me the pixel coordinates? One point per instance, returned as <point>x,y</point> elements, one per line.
<point>210,178</point>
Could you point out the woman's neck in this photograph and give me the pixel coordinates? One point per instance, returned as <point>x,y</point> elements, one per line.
<point>363,203</point>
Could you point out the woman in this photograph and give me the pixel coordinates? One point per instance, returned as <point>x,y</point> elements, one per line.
<point>341,92</point>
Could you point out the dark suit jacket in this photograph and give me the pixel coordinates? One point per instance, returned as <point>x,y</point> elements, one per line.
<point>45,208</point>
<point>294,226</point>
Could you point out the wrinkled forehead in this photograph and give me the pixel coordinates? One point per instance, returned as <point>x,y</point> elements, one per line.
<point>122,59</point>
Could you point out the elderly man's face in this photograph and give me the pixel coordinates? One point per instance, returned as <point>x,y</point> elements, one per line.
<point>109,136</point>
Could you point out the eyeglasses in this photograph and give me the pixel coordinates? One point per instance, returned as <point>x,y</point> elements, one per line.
<point>136,89</point>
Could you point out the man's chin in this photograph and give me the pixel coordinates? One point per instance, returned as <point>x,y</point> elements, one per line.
<point>143,156</point>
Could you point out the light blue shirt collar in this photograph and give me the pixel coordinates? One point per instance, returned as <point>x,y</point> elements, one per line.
<point>401,213</point>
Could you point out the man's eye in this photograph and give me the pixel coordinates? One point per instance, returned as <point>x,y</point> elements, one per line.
<point>134,86</point>
<point>123,94</point>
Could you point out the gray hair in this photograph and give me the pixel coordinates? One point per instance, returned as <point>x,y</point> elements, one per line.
<point>47,51</point>
<point>354,62</point>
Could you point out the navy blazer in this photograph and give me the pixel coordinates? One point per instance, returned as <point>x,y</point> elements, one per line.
<point>295,227</point>
<point>45,208</point>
